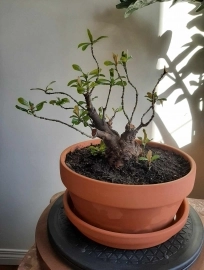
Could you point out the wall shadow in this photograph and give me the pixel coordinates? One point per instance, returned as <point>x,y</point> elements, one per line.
<point>141,35</point>
<point>195,65</point>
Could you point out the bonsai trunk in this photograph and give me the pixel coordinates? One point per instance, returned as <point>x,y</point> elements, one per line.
<point>118,148</point>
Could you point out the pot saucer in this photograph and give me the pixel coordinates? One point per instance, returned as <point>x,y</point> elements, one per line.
<point>123,240</point>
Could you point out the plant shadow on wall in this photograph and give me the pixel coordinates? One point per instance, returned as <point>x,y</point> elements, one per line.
<point>181,80</point>
<point>195,66</point>
<point>178,78</point>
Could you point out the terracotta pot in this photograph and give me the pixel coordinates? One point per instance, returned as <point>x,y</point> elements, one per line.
<point>129,209</point>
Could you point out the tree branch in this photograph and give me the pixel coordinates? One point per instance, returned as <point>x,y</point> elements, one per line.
<point>136,91</point>
<point>58,121</point>
<point>123,93</point>
<point>105,108</point>
<point>97,64</point>
<point>59,93</point>
<point>152,107</point>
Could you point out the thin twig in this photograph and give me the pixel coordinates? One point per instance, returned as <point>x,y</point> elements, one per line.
<point>105,108</point>
<point>136,91</point>
<point>123,94</point>
<point>58,121</point>
<point>152,107</point>
<point>97,64</point>
<point>59,93</point>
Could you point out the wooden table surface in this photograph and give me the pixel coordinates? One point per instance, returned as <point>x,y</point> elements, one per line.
<point>33,261</point>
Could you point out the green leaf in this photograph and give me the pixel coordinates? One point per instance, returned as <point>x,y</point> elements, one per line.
<point>155,157</point>
<point>80,90</point>
<point>23,101</point>
<point>20,108</point>
<point>86,118</point>
<point>121,83</point>
<point>31,105</point>
<point>103,81</point>
<point>119,109</point>
<point>64,100</point>
<point>82,44</point>
<point>143,158</point>
<point>85,47</point>
<point>100,38</point>
<point>108,63</point>
<point>90,35</point>
<point>71,82</point>
<point>52,102</point>
<point>81,102</point>
<point>75,121</point>
<point>145,134</point>
<point>39,106</point>
<point>140,138</point>
<point>76,67</point>
<point>95,72</point>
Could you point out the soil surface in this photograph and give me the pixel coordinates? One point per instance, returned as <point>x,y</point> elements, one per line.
<point>168,167</point>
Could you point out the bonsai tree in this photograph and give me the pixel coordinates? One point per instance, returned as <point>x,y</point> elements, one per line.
<point>133,5</point>
<point>118,148</point>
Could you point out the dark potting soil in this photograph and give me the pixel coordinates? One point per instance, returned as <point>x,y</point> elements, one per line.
<point>168,167</point>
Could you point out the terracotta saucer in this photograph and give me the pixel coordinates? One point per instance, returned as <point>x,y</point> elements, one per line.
<point>122,240</point>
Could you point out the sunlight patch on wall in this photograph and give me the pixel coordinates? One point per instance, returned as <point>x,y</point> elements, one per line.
<point>177,85</point>
<point>177,119</point>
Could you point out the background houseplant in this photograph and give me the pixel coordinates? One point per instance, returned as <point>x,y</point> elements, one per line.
<point>38,38</point>
<point>133,5</point>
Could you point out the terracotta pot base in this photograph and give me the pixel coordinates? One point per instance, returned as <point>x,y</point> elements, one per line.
<point>123,240</point>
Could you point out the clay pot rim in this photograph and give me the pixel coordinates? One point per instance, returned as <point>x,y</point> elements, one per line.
<point>132,241</point>
<point>95,141</point>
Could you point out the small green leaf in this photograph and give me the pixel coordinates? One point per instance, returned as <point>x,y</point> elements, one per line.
<point>64,100</point>
<point>85,47</point>
<point>75,121</point>
<point>100,38</point>
<point>82,44</point>
<point>52,102</point>
<point>143,158</point>
<point>140,138</point>
<point>95,72</point>
<point>39,106</point>
<point>80,90</point>
<point>121,83</point>
<point>103,81</point>
<point>81,102</point>
<point>76,67</point>
<point>145,135</point>
<point>108,63</point>
<point>71,82</point>
<point>23,101</point>
<point>155,157</point>
<point>119,109</point>
<point>20,108</point>
<point>31,105</point>
<point>90,35</point>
